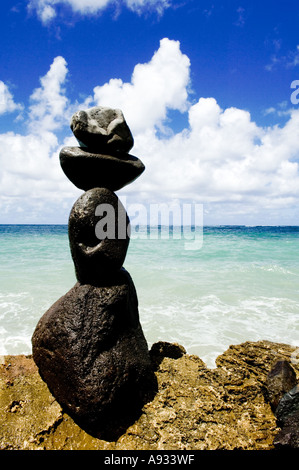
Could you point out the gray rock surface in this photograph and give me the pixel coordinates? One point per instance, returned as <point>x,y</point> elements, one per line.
<point>102,129</point>
<point>280,380</point>
<point>99,236</point>
<point>288,436</point>
<point>88,170</point>
<point>90,349</point>
<point>288,405</point>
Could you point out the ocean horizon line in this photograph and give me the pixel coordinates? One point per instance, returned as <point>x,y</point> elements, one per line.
<point>155,225</point>
<point>241,284</point>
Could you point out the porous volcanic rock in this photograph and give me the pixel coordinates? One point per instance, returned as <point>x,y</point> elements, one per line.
<point>195,408</point>
<point>102,128</point>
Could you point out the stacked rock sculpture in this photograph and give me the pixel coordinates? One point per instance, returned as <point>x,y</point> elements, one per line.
<point>89,346</point>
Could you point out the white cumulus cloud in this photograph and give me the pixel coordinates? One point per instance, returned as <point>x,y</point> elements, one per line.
<point>156,87</point>
<point>33,186</point>
<point>240,171</point>
<point>49,103</point>
<point>7,104</point>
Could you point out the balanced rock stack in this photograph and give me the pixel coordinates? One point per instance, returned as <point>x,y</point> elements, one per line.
<point>89,346</point>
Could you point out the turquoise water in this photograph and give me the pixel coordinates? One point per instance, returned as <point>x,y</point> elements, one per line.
<point>243,284</point>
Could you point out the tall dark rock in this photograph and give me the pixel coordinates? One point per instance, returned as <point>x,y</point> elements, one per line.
<point>89,346</point>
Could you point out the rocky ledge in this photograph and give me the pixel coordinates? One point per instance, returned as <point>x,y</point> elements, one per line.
<point>230,407</point>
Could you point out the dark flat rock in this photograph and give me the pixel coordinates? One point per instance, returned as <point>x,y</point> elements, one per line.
<point>88,170</point>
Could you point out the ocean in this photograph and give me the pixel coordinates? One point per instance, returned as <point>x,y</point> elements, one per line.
<point>241,284</point>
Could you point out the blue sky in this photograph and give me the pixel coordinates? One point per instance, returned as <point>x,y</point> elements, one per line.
<point>204,86</point>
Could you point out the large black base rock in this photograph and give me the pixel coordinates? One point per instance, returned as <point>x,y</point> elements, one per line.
<point>91,351</point>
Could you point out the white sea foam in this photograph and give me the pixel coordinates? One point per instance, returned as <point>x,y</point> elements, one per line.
<point>207,326</point>
<point>241,286</point>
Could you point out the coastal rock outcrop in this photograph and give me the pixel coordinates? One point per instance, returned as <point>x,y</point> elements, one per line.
<point>89,346</point>
<point>195,408</point>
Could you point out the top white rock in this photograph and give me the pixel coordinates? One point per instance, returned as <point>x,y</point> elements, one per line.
<point>102,129</point>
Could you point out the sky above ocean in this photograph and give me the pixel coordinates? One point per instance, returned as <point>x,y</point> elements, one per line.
<point>210,91</point>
